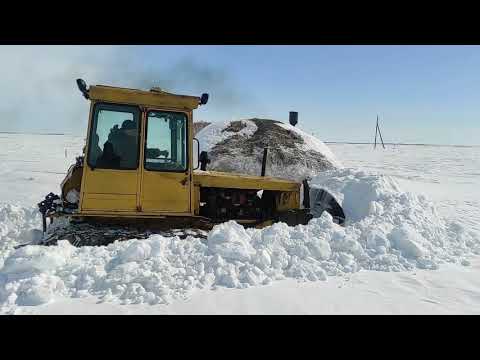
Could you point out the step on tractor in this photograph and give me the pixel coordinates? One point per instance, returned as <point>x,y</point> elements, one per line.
<point>142,173</point>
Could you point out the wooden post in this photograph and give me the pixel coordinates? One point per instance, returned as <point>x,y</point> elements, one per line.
<point>380,133</point>
<point>377,130</point>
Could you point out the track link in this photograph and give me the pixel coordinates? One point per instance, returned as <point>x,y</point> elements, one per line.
<point>84,234</point>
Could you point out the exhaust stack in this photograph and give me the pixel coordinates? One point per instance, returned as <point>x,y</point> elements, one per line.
<point>293,118</point>
<point>264,161</point>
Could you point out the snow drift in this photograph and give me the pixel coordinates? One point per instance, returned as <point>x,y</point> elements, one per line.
<point>237,146</point>
<point>387,229</point>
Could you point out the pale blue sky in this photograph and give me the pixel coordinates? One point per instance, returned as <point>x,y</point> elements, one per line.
<point>427,94</point>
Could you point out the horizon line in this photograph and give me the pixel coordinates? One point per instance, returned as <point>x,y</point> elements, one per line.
<point>326,142</point>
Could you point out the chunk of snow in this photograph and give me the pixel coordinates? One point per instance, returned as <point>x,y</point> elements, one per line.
<point>73,196</point>
<point>231,241</point>
<point>408,241</point>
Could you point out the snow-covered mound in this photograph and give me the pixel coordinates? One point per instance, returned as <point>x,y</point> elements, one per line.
<point>237,146</point>
<point>17,225</point>
<point>387,229</point>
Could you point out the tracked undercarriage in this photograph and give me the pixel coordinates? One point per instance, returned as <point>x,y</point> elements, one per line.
<point>103,231</point>
<point>89,234</point>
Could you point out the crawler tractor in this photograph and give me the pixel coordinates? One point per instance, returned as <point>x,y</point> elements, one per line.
<point>141,173</point>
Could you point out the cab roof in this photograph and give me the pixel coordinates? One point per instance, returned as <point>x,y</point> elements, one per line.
<point>154,98</point>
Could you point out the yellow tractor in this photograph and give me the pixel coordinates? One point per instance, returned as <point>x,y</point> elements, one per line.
<point>141,167</point>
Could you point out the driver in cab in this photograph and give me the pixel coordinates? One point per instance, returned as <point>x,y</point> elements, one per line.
<point>124,141</point>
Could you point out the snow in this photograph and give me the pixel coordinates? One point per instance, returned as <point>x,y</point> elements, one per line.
<point>451,289</point>
<point>280,269</point>
<point>34,165</point>
<point>214,133</point>
<point>313,143</point>
<point>448,175</point>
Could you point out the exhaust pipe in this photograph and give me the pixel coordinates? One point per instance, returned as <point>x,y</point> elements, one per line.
<point>293,118</point>
<point>264,161</point>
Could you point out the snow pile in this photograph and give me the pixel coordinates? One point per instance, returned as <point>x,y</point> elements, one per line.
<point>387,229</point>
<point>310,142</point>
<point>395,230</point>
<point>17,225</point>
<point>237,146</point>
<point>216,133</point>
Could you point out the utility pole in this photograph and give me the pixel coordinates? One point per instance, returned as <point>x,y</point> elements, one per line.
<point>377,130</point>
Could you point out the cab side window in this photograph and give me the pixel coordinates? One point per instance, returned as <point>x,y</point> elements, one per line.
<point>166,142</point>
<point>114,137</point>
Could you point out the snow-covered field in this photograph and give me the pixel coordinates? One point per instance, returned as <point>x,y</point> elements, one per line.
<point>448,175</point>
<point>418,225</point>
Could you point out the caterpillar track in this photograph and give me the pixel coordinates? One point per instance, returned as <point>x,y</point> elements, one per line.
<point>85,234</point>
<point>88,233</point>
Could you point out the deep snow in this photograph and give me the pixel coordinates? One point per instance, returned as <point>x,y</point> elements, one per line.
<point>451,289</point>
<point>389,229</point>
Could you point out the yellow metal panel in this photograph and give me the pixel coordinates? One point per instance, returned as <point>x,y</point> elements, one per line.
<point>238,181</point>
<point>139,97</point>
<point>165,192</point>
<point>85,152</point>
<point>112,202</point>
<point>109,189</point>
<point>106,181</point>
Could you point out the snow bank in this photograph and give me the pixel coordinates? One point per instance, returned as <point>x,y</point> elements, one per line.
<point>17,225</point>
<point>387,229</point>
<point>397,230</point>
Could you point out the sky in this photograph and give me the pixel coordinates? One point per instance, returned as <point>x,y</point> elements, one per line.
<point>422,94</point>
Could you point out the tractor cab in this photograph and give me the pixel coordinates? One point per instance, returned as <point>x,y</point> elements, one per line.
<point>138,156</point>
